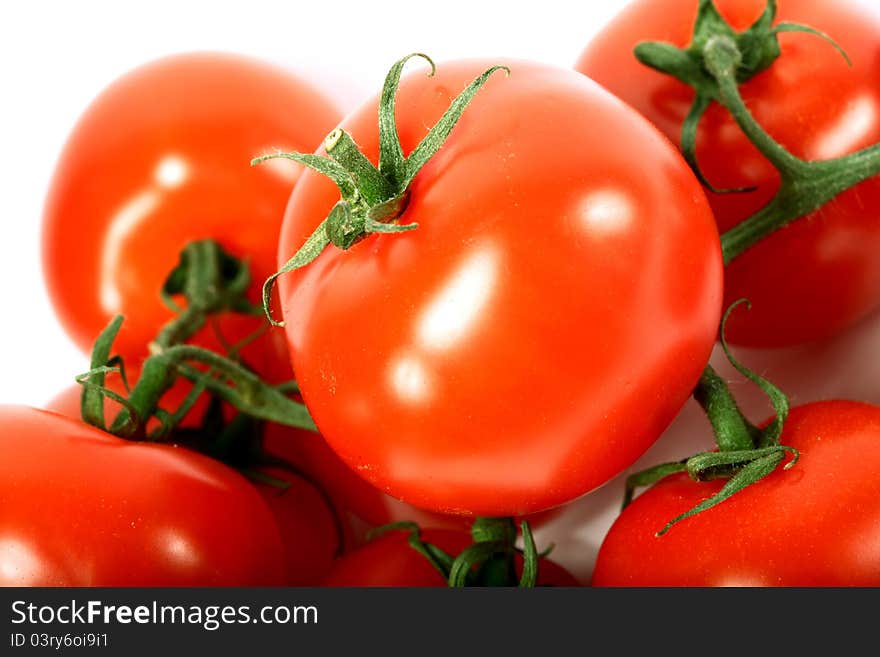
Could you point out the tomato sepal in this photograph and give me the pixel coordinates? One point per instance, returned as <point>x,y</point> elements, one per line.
<point>758,47</point>
<point>488,561</point>
<point>745,453</point>
<point>372,198</point>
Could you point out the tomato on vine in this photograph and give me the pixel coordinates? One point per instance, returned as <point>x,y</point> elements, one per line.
<point>159,159</point>
<point>410,556</point>
<point>182,407</point>
<point>802,104</point>
<point>84,508</point>
<point>499,325</point>
<point>812,525</point>
<point>301,508</point>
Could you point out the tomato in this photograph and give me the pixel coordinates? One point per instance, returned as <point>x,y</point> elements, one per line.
<point>543,324</point>
<point>308,529</point>
<point>160,158</point>
<point>819,275</point>
<point>79,507</point>
<point>813,525</point>
<point>360,505</point>
<point>388,560</point>
<point>304,518</point>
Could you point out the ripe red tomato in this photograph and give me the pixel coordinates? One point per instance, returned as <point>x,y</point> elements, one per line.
<point>308,529</point>
<point>305,520</point>
<point>541,327</point>
<point>83,508</point>
<point>360,505</point>
<point>813,525</point>
<point>388,560</point>
<point>820,274</point>
<point>160,158</point>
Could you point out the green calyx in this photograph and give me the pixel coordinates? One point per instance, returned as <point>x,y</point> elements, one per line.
<point>372,198</point>
<point>754,50</point>
<point>211,282</point>
<point>489,561</point>
<point>746,453</point>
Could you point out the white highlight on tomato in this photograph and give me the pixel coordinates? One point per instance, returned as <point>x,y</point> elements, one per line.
<point>19,564</point>
<point>607,211</point>
<point>850,131</point>
<point>121,226</point>
<point>409,379</point>
<point>172,171</point>
<point>460,301</point>
<point>178,549</point>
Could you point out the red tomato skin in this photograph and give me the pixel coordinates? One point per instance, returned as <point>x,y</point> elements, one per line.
<point>817,524</point>
<point>820,274</point>
<point>388,560</point>
<point>508,355</point>
<point>308,529</point>
<point>79,507</point>
<point>358,505</point>
<point>306,522</point>
<point>162,157</point>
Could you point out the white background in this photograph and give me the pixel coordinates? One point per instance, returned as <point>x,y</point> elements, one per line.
<point>56,56</point>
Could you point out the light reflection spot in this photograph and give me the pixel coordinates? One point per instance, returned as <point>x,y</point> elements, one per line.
<point>849,131</point>
<point>460,301</point>
<point>125,221</point>
<point>608,211</point>
<point>409,379</point>
<point>18,562</point>
<point>171,172</point>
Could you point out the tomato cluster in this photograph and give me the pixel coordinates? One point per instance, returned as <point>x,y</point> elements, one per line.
<point>495,299</point>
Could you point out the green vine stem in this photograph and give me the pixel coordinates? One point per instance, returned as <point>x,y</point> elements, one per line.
<point>488,561</point>
<point>746,453</point>
<point>372,199</point>
<point>211,282</point>
<point>715,63</point>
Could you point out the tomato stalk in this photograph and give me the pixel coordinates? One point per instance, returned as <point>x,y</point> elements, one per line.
<point>373,198</point>
<point>805,185</point>
<point>715,63</point>
<point>211,281</point>
<point>758,46</point>
<point>489,561</point>
<point>745,454</point>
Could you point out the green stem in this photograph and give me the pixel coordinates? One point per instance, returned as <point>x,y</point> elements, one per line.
<point>371,184</point>
<point>493,529</point>
<point>722,58</point>
<point>714,64</point>
<point>745,454</point>
<point>805,186</point>
<point>372,199</point>
<point>212,282</point>
<point>155,380</point>
<point>732,430</point>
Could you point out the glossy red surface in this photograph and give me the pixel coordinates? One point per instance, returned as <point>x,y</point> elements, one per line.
<point>544,323</point>
<point>83,508</point>
<point>817,524</point>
